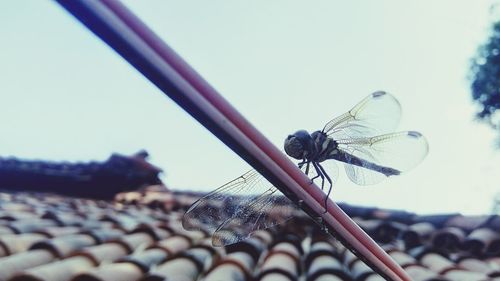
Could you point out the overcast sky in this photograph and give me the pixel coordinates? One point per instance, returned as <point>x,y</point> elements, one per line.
<point>286,65</point>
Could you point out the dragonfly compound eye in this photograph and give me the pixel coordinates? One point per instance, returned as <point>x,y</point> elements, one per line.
<point>293,147</point>
<point>297,144</point>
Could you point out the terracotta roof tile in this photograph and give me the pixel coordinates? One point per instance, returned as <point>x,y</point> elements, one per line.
<point>282,261</point>
<point>229,270</point>
<point>242,259</point>
<point>107,252</point>
<point>325,264</point>
<point>5,230</point>
<point>62,270</point>
<point>448,239</point>
<point>476,265</point>
<point>15,243</point>
<point>415,234</point>
<point>182,267</point>
<point>63,246</point>
<point>31,225</point>
<point>25,260</point>
<point>147,258</point>
<point>482,240</point>
<point>174,244</point>
<point>329,277</point>
<point>123,271</point>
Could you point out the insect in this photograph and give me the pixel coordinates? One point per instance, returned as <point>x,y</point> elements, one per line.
<point>363,139</point>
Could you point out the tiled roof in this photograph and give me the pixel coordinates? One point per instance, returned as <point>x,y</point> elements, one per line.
<point>139,236</point>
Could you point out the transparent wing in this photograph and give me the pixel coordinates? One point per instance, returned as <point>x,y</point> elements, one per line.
<point>371,160</point>
<point>332,170</point>
<point>263,211</point>
<point>266,210</point>
<point>379,113</point>
<point>235,210</point>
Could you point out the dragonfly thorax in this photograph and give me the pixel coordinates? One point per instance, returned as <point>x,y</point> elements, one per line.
<point>310,147</point>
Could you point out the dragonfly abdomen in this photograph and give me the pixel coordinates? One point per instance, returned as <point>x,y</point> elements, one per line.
<point>353,160</point>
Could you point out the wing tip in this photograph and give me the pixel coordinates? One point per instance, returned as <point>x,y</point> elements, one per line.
<point>224,237</point>
<point>415,134</point>
<point>379,94</point>
<point>186,224</point>
<point>217,243</point>
<point>420,138</point>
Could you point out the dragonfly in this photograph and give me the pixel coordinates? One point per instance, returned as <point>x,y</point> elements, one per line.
<point>363,140</point>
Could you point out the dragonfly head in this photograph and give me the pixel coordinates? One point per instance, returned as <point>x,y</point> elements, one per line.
<point>299,145</point>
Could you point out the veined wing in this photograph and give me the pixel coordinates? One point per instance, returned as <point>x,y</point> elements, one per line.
<point>379,113</point>
<point>263,211</point>
<point>266,210</point>
<point>235,210</point>
<point>371,160</point>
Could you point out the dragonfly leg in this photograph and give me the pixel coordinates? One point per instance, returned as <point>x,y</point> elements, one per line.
<point>301,164</point>
<point>319,175</point>
<point>307,168</point>
<point>331,185</point>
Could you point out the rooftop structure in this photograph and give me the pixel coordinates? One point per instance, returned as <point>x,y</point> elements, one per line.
<point>138,236</point>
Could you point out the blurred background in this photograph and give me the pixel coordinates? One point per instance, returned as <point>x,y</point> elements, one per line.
<point>286,65</point>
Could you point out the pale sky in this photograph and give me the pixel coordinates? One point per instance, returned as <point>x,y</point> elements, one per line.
<point>286,65</point>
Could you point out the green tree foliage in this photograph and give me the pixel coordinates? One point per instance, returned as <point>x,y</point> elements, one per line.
<point>485,74</point>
